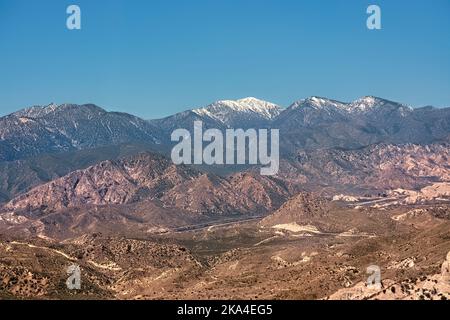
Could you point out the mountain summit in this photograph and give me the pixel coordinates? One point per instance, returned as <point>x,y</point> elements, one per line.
<point>362,105</point>
<point>371,103</point>
<point>243,113</point>
<point>319,103</point>
<point>240,113</point>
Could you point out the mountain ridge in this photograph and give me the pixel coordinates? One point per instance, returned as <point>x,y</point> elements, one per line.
<point>310,123</point>
<point>49,129</point>
<point>149,176</point>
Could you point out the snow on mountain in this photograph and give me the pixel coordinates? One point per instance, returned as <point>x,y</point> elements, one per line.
<point>36,111</point>
<point>324,123</point>
<point>249,109</point>
<point>255,113</point>
<point>243,113</point>
<point>318,103</point>
<point>360,106</point>
<point>370,103</point>
<point>267,109</point>
<point>314,122</point>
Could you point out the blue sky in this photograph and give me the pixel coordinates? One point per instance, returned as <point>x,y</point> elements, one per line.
<point>155,57</point>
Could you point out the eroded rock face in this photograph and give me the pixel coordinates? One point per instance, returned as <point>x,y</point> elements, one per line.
<point>149,177</point>
<point>379,167</point>
<point>109,182</point>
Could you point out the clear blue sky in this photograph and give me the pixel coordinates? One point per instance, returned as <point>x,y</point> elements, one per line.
<point>155,57</point>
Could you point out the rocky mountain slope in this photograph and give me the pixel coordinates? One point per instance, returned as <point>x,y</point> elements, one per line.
<point>243,113</point>
<point>20,176</point>
<point>52,128</point>
<point>378,167</point>
<point>307,124</point>
<point>150,176</point>
<point>308,214</point>
<point>316,123</point>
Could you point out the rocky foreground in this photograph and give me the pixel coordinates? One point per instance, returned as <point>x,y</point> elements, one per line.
<point>308,249</point>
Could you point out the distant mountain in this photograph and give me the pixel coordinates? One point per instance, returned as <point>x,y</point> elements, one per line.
<point>153,177</point>
<point>316,123</point>
<point>243,113</point>
<point>29,137</point>
<point>53,128</point>
<point>19,176</point>
<point>375,168</point>
<point>108,182</point>
<point>311,123</point>
<point>319,111</point>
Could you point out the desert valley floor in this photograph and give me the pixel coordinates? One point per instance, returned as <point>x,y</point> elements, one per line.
<point>324,257</point>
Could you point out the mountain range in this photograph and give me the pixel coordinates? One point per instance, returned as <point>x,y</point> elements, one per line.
<point>316,122</point>
<point>152,177</point>
<point>359,183</point>
<point>68,127</point>
<point>376,167</point>
<point>70,159</point>
<point>311,123</point>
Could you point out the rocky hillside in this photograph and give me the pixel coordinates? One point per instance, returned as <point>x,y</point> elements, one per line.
<point>20,176</point>
<point>53,128</point>
<point>312,123</point>
<point>301,209</point>
<point>108,265</point>
<point>316,123</point>
<point>241,192</point>
<point>150,176</point>
<point>378,167</point>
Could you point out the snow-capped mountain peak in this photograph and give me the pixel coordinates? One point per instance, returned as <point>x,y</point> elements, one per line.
<point>372,103</point>
<point>366,103</point>
<point>36,111</point>
<point>319,103</point>
<point>52,108</point>
<point>362,105</point>
<point>226,111</point>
